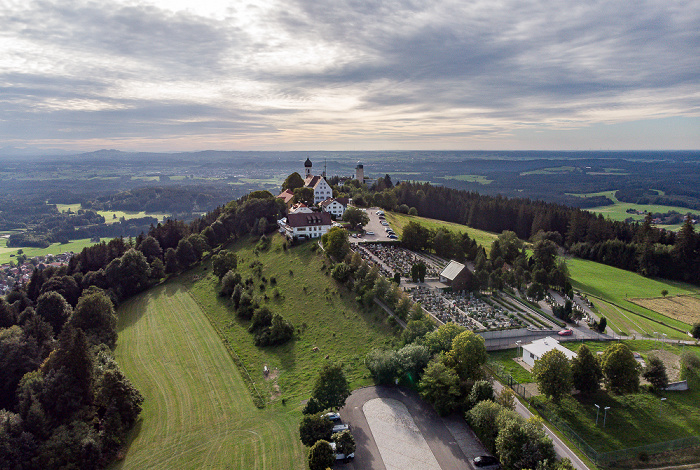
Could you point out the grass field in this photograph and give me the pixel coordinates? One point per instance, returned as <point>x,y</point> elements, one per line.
<point>197,411</point>
<point>398,221</point>
<point>325,314</point>
<point>505,357</point>
<point>75,246</point>
<point>110,215</point>
<point>635,419</point>
<point>619,287</point>
<point>618,210</point>
<point>481,179</point>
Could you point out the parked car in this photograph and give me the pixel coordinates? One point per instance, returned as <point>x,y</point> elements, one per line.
<point>369,233</point>
<point>486,462</point>
<point>393,237</point>
<point>567,332</point>
<point>340,428</point>
<point>341,456</point>
<point>332,416</point>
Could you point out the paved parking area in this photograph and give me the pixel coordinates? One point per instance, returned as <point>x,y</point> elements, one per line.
<point>449,440</point>
<point>375,226</point>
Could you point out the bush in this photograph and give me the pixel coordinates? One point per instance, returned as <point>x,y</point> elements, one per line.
<point>229,282</point>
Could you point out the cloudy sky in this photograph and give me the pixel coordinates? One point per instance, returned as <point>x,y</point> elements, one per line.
<point>350,74</point>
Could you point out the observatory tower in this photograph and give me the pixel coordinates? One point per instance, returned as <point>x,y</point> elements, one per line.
<point>360,172</point>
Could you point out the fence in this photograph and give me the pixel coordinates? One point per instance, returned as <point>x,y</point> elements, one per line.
<point>599,458</point>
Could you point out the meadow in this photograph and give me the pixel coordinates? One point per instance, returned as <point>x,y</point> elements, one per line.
<point>112,217</point>
<point>611,285</point>
<point>398,221</point>
<point>76,246</point>
<point>325,314</point>
<point>618,210</point>
<point>197,411</point>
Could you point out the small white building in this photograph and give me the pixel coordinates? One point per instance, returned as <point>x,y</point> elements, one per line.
<point>335,206</point>
<point>300,208</point>
<point>301,226</point>
<point>534,351</point>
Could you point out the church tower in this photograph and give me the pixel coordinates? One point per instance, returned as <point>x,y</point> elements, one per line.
<point>307,168</point>
<point>360,172</point>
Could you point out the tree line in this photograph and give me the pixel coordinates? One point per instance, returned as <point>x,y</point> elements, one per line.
<point>638,247</point>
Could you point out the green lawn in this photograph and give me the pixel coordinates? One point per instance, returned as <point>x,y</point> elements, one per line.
<point>398,221</point>
<point>197,411</point>
<point>325,314</point>
<point>76,246</point>
<point>504,358</point>
<point>616,285</point>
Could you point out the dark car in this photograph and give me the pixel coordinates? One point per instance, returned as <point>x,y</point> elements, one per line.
<point>486,462</point>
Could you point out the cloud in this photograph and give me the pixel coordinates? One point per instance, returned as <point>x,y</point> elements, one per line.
<point>289,73</point>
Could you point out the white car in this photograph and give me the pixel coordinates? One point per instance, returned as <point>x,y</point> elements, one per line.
<point>332,416</point>
<point>369,233</point>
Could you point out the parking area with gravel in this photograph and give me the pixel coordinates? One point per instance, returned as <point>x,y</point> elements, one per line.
<point>395,430</point>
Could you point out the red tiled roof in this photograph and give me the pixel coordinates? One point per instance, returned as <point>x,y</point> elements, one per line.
<point>286,195</point>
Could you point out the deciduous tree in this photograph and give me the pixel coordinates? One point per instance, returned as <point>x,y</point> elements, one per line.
<point>321,456</point>
<point>655,373</point>
<point>553,374</point>
<point>440,386</point>
<point>331,388</point>
<point>620,369</point>
<point>314,427</point>
<point>467,355</point>
<point>586,373</point>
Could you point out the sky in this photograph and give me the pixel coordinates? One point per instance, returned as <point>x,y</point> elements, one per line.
<point>176,75</point>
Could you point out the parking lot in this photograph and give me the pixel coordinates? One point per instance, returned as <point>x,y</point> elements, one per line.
<point>375,226</point>
<point>395,430</point>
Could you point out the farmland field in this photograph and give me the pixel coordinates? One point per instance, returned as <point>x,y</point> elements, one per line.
<point>197,412</point>
<point>684,308</point>
<point>114,216</point>
<point>618,210</point>
<point>76,246</point>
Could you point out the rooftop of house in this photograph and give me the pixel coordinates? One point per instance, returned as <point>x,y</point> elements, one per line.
<point>286,195</point>
<point>308,220</point>
<point>541,346</point>
<point>452,270</point>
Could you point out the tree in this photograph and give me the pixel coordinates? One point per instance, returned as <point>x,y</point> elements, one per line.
<point>151,249</point>
<point>321,456</point>
<point>94,314</point>
<point>415,237</point>
<point>586,373</point>
<point>602,324</point>
<point>293,182</point>
<point>440,386</point>
<point>384,365</point>
<point>331,388</point>
<point>412,360</point>
<point>229,283</point>
<point>304,195</point>
<point>481,390</point>
<point>506,398</point>
<point>655,373</point>
<point>18,355</point>
<point>664,292</point>
<point>54,309</point>
<point>482,418</point>
<point>335,243</point>
<point>185,254</point>
<point>157,270</point>
<point>133,271</point>
<point>223,262</point>
<point>467,355</point>
<point>522,444</point>
<point>553,374</point>
<point>344,442</point>
<point>620,369</point>
<point>314,427</point>
<point>355,217</point>
<point>170,261</point>
<point>696,330</point>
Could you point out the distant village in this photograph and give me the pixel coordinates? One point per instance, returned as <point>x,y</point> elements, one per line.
<point>18,273</point>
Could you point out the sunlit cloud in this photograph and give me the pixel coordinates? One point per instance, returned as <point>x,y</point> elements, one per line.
<point>401,74</point>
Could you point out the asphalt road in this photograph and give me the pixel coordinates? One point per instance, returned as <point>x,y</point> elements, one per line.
<point>441,442</point>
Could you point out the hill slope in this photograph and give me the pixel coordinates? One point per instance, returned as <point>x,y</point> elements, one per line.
<point>197,412</point>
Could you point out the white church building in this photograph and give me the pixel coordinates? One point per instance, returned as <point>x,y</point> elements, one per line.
<point>322,189</point>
